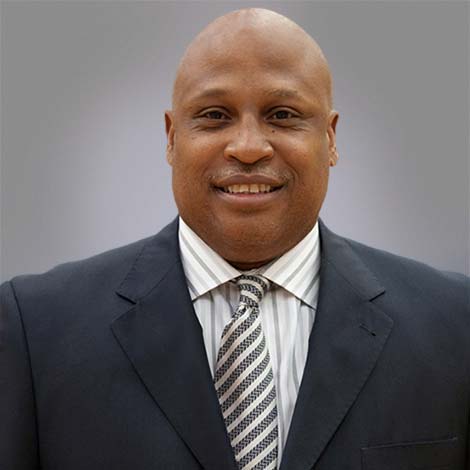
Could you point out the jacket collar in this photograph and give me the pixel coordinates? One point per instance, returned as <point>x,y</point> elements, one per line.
<point>347,337</point>
<point>163,339</point>
<point>161,253</point>
<point>296,271</point>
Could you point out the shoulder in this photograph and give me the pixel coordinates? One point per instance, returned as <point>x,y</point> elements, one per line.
<point>391,272</point>
<point>90,285</point>
<point>416,296</point>
<point>72,296</point>
<point>104,269</point>
<point>406,274</point>
<point>71,299</point>
<point>422,301</point>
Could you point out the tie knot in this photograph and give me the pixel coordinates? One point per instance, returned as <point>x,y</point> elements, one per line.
<point>252,289</point>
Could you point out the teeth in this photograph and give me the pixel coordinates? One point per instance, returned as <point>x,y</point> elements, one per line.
<point>248,188</point>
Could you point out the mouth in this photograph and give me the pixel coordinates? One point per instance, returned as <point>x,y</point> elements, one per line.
<point>248,189</point>
<point>249,197</point>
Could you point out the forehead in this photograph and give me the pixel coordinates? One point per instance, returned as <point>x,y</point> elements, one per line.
<point>259,56</point>
<point>262,73</point>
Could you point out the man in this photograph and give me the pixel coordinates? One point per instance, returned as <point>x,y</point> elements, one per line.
<point>245,334</point>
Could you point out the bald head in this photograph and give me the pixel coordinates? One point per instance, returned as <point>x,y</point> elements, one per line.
<point>268,36</point>
<point>251,109</point>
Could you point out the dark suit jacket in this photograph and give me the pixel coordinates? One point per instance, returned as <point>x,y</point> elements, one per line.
<point>103,366</point>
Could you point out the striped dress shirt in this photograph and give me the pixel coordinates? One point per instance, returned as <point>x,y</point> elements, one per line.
<point>287,311</point>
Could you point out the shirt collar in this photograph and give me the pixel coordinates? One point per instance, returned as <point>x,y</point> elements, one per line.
<point>297,270</point>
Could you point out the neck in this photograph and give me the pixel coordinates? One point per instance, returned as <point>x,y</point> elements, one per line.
<point>245,266</point>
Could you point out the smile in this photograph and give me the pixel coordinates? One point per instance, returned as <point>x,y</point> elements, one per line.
<point>249,188</point>
<point>249,197</point>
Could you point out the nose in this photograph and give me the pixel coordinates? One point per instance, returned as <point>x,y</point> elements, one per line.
<point>249,143</point>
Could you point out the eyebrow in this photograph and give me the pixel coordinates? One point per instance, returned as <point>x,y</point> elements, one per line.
<point>283,93</point>
<point>278,92</point>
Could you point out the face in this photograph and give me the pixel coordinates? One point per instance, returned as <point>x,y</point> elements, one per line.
<point>250,141</point>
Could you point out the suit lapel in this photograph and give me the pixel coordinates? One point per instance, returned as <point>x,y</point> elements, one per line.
<point>346,340</point>
<point>162,338</point>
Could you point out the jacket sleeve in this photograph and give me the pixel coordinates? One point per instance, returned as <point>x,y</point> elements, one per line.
<point>18,434</point>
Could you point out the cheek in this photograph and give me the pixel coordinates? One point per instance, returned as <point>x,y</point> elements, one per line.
<point>308,160</point>
<point>190,175</point>
<point>198,141</point>
<point>195,153</point>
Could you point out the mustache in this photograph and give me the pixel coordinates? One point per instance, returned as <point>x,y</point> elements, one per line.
<point>258,170</point>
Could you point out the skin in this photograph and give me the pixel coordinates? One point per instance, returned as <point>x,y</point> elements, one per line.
<point>252,96</point>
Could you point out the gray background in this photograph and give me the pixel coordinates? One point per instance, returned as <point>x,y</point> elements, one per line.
<point>85,85</point>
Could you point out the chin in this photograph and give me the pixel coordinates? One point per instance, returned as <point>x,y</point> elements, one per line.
<point>250,248</point>
<point>244,262</point>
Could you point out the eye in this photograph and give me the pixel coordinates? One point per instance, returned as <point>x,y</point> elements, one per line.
<point>282,114</point>
<point>215,115</point>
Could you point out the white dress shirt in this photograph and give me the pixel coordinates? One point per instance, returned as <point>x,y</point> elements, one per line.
<point>287,310</point>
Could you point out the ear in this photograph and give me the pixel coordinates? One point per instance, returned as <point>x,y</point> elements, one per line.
<point>170,135</point>
<point>331,135</point>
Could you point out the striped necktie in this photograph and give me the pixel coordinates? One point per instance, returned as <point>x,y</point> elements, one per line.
<point>244,381</point>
